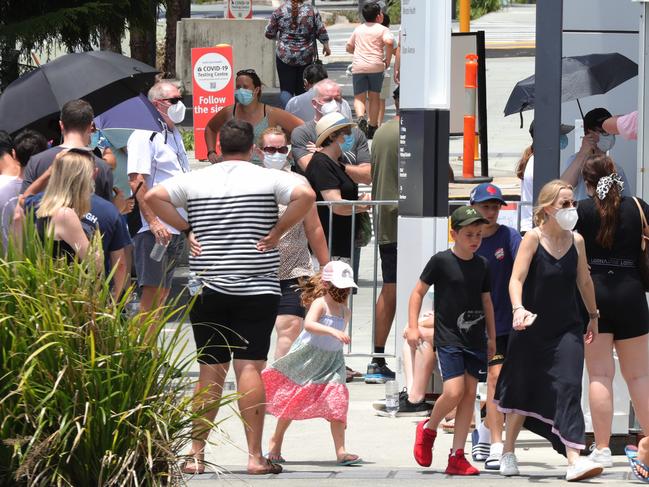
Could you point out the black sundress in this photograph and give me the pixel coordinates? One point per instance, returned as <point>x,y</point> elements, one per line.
<point>542,373</point>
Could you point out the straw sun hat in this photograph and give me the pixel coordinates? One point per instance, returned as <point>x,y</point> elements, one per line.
<point>329,124</point>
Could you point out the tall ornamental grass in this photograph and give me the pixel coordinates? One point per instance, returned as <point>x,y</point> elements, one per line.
<point>86,398</point>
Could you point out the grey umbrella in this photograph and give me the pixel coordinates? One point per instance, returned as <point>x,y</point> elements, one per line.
<point>581,76</point>
<point>102,78</point>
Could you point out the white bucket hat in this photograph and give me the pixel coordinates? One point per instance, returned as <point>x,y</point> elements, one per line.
<point>339,274</point>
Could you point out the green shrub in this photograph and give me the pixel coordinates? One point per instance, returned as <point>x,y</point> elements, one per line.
<point>481,7</point>
<point>188,138</point>
<point>86,397</point>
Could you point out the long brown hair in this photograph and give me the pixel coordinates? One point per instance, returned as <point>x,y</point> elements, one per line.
<point>522,162</point>
<point>295,10</point>
<point>595,168</point>
<point>312,288</point>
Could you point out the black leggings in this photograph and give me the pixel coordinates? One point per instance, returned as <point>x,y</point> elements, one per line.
<point>291,78</point>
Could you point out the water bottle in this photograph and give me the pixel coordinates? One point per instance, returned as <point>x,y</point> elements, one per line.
<point>158,251</point>
<point>391,398</point>
<point>194,285</point>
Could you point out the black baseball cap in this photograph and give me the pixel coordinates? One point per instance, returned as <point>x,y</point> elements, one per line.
<point>564,129</point>
<point>466,215</point>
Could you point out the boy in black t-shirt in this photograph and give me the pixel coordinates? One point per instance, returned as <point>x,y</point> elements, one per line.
<point>463,310</point>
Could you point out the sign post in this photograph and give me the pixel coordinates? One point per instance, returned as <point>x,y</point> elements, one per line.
<point>424,142</point>
<point>238,9</point>
<point>213,82</point>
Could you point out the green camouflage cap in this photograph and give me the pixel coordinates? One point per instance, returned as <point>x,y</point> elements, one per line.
<point>466,215</point>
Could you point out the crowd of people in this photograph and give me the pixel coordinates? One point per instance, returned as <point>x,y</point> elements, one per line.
<point>522,312</point>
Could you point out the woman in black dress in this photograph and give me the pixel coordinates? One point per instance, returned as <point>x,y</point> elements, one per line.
<point>611,227</point>
<point>331,183</point>
<point>540,382</point>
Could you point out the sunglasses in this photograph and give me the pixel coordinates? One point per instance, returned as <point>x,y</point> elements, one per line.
<point>273,150</point>
<point>173,101</point>
<point>568,204</point>
<point>246,72</point>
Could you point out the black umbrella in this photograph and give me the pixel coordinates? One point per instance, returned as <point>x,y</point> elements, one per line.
<point>102,78</point>
<point>581,76</point>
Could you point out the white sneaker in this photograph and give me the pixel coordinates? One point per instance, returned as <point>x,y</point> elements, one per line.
<point>603,456</point>
<point>583,469</point>
<point>508,465</point>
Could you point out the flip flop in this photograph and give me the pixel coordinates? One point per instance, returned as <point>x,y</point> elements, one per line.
<point>349,459</point>
<point>635,464</point>
<point>194,466</point>
<point>631,451</point>
<point>270,468</point>
<point>275,458</point>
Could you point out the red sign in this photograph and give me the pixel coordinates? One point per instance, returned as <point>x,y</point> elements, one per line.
<point>213,82</point>
<point>239,9</point>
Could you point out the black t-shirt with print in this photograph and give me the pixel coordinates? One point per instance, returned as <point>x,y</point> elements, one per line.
<point>459,284</point>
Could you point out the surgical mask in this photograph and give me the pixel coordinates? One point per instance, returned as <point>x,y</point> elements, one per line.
<point>567,218</point>
<point>176,112</point>
<point>606,142</point>
<point>348,144</point>
<point>563,141</point>
<point>331,106</point>
<point>243,96</point>
<point>275,161</point>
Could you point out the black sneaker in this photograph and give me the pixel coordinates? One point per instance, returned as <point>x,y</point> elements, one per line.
<point>378,374</point>
<point>362,125</point>
<point>407,408</point>
<point>371,129</point>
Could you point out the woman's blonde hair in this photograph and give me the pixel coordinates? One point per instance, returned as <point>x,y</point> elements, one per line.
<point>71,184</point>
<point>548,195</point>
<point>276,130</point>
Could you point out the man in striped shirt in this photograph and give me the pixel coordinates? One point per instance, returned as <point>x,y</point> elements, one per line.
<point>232,212</point>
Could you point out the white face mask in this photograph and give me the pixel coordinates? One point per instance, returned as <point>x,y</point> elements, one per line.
<point>567,218</point>
<point>176,113</point>
<point>330,107</point>
<point>275,161</point>
<point>606,142</point>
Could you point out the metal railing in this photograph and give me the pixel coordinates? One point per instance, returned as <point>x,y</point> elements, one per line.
<point>375,262</point>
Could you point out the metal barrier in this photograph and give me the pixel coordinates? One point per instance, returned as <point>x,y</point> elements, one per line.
<point>375,245</point>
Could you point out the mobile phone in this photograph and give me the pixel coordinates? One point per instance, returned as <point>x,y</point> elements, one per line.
<point>136,190</point>
<point>530,319</point>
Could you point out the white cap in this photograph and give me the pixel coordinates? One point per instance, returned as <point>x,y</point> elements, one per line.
<point>339,274</point>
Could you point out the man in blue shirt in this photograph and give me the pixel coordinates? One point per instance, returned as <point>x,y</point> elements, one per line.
<point>499,246</point>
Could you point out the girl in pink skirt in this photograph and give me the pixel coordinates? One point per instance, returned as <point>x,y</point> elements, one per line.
<point>309,381</point>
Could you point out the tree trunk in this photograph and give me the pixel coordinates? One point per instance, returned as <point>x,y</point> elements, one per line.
<point>110,40</point>
<point>143,37</point>
<point>176,10</point>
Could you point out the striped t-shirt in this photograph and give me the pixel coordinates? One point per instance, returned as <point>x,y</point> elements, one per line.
<point>231,206</point>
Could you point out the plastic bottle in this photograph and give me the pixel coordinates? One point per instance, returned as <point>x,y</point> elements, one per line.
<point>391,398</point>
<point>194,285</point>
<point>158,252</point>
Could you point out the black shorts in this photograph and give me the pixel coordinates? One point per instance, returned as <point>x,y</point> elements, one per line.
<point>501,350</point>
<point>388,254</point>
<point>290,303</point>
<point>225,325</point>
<point>622,303</point>
<point>455,361</point>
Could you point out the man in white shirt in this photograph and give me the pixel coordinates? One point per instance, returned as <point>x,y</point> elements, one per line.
<point>233,214</point>
<point>154,157</point>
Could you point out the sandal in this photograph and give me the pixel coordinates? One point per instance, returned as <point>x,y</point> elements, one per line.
<point>275,457</point>
<point>195,465</point>
<point>349,459</point>
<point>636,467</point>
<point>270,468</point>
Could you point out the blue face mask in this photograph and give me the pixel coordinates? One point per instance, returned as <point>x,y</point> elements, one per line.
<point>243,96</point>
<point>96,139</point>
<point>348,144</point>
<point>563,141</point>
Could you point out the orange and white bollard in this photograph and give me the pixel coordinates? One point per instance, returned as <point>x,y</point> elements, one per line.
<point>470,91</point>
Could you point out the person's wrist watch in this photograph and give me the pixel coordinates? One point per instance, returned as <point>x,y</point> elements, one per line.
<point>593,316</point>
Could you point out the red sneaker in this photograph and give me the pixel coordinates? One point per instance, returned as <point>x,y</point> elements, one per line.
<point>424,440</point>
<point>458,465</point>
